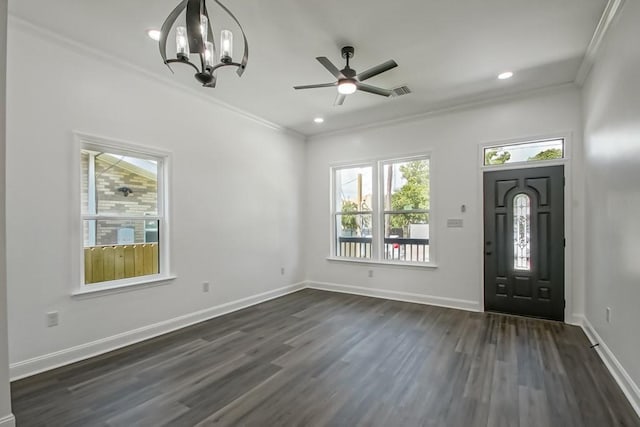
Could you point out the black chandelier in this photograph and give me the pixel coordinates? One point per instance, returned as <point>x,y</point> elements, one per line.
<point>196,38</point>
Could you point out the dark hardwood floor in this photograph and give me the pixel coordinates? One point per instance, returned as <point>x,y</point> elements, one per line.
<point>317,358</point>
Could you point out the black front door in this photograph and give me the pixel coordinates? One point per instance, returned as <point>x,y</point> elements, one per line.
<point>524,242</point>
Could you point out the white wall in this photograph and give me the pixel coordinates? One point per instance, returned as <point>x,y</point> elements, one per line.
<point>453,139</point>
<point>237,197</point>
<point>612,157</point>
<point>6,418</point>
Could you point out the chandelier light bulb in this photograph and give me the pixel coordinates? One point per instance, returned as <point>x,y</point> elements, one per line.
<point>182,45</point>
<point>209,60</point>
<point>204,28</point>
<point>226,45</point>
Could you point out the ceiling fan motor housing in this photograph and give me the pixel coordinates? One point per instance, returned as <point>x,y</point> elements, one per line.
<point>347,52</point>
<point>349,73</point>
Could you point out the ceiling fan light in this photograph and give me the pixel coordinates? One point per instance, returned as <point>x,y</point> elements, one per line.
<point>346,87</point>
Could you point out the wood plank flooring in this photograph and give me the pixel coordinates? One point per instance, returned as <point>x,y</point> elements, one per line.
<point>317,358</point>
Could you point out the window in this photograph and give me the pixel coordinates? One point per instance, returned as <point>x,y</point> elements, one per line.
<point>122,213</point>
<point>534,151</point>
<point>353,214</point>
<point>386,218</point>
<point>406,210</point>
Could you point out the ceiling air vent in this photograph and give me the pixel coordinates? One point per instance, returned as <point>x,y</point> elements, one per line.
<point>400,91</point>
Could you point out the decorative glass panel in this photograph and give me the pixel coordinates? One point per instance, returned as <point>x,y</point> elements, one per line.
<point>522,232</point>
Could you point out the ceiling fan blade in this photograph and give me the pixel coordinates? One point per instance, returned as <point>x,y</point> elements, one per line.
<point>378,69</point>
<point>329,66</point>
<point>316,86</point>
<point>372,89</point>
<point>339,99</point>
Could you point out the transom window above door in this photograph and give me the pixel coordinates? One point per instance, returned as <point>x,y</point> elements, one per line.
<point>524,152</point>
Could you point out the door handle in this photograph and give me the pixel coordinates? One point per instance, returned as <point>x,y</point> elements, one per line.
<point>488,253</point>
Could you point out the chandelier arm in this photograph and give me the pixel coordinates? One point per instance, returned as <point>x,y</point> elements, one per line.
<point>225,64</point>
<point>210,35</point>
<point>245,56</point>
<point>182,61</point>
<point>194,10</point>
<point>166,29</point>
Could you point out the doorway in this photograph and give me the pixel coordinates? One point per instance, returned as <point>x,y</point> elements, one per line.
<point>524,242</point>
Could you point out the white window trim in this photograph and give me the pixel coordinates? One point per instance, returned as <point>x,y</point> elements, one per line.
<point>376,165</point>
<point>93,142</point>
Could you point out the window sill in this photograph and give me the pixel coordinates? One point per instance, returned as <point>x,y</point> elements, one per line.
<point>89,291</point>
<point>426,265</point>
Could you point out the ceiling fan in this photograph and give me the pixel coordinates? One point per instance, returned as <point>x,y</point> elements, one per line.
<point>348,81</point>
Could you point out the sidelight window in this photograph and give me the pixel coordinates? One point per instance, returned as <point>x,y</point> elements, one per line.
<point>522,232</point>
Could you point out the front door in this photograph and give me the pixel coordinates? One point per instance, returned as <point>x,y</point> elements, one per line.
<point>524,242</point>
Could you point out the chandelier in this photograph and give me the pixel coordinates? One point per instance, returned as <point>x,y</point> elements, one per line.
<point>195,40</point>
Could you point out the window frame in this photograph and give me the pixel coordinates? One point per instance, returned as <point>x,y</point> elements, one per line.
<point>378,212</point>
<point>163,157</point>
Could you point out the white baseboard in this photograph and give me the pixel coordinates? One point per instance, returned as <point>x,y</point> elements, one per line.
<point>397,296</point>
<point>8,421</point>
<point>575,320</point>
<point>624,380</point>
<point>67,356</point>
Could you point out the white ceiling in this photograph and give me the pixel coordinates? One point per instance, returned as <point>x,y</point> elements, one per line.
<point>449,51</point>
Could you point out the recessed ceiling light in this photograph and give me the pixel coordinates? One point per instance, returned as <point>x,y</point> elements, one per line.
<point>154,34</point>
<point>506,75</point>
<point>318,120</point>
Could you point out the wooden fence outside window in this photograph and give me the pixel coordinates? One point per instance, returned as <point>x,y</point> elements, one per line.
<point>113,262</point>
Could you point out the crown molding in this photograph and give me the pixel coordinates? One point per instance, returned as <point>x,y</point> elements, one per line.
<point>112,60</point>
<point>450,108</point>
<point>611,10</point>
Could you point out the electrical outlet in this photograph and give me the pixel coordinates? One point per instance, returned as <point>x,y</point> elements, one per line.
<point>370,273</point>
<point>52,319</point>
<point>608,314</point>
<point>205,286</point>
<point>282,270</point>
